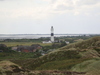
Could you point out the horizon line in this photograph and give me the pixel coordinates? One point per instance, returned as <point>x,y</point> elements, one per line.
<point>49,34</point>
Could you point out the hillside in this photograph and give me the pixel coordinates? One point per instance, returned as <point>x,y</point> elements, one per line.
<point>74,57</point>
<point>9,68</point>
<point>92,43</point>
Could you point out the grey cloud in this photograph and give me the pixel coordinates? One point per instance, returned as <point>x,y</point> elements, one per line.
<point>53,1</point>
<point>1,0</point>
<point>63,7</point>
<point>87,2</point>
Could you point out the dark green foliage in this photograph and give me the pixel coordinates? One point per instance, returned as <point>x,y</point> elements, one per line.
<point>63,44</point>
<point>56,45</point>
<point>4,48</point>
<point>61,55</point>
<point>45,48</point>
<point>60,65</point>
<point>17,55</point>
<point>56,56</point>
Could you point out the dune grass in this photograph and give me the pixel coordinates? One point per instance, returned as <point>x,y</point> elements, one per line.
<point>86,44</point>
<point>58,56</point>
<point>87,66</point>
<point>60,65</point>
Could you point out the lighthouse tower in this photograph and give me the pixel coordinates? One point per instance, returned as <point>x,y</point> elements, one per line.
<point>52,34</point>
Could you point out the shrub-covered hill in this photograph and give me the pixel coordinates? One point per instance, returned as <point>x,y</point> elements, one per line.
<point>9,68</point>
<point>66,58</point>
<point>92,43</point>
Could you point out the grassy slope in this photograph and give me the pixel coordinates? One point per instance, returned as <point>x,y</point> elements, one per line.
<point>92,67</point>
<point>8,68</point>
<point>87,44</point>
<point>88,65</point>
<point>74,57</point>
<point>60,55</point>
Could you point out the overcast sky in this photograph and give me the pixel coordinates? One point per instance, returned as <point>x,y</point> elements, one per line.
<point>37,16</point>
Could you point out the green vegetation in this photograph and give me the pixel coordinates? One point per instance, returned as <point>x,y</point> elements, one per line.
<point>60,65</point>
<point>81,56</point>
<point>9,68</point>
<point>88,65</point>
<point>87,44</point>
<point>17,55</point>
<point>7,53</point>
<point>74,57</point>
<point>53,56</point>
<point>23,40</point>
<point>12,44</point>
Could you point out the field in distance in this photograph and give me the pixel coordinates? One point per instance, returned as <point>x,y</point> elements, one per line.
<point>11,44</point>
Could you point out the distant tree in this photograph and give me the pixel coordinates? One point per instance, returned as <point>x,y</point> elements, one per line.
<point>63,44</point>
<point>55,45</point>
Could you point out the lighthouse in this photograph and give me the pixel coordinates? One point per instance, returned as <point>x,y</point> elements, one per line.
<point>52,34</point>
